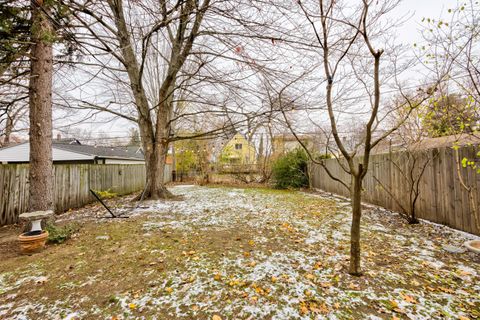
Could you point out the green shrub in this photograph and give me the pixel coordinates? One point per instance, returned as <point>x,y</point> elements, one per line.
<point>290,170</point>
<point>106,194</point>
<point>323,156</point>
<point>59,234</point>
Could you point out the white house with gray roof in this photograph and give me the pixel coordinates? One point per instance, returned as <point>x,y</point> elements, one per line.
<point>72,151</point>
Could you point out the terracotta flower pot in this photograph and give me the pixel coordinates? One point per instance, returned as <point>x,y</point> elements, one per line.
<point>31,243</point>
<point>473,245</point>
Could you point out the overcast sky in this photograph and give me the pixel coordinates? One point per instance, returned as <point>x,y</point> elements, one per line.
<point>419,9</point>
<point>408,33</point>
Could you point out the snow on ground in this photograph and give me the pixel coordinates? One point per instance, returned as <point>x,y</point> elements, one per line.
<point>254,254</point>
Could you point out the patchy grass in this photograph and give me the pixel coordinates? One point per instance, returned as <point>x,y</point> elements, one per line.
<point>244,254</point>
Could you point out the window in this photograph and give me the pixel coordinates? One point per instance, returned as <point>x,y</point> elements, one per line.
<point>238,146</point>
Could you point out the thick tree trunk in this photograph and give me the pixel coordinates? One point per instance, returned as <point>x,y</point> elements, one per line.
<point>155,185</point>
<point>155,136</point>
<point>156,150</point>
<point>356,196</point>
<point>40,95</point>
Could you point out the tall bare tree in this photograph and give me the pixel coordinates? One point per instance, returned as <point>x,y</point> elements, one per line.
<point>164,68</point>
<point>168,32</point>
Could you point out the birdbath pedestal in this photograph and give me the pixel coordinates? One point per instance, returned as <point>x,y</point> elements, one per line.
<point>35,239</point>
<point>36,218</point>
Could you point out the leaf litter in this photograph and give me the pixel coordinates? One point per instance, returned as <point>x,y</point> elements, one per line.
<point>231,253</point>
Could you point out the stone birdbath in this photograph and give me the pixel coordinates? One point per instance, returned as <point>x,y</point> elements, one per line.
<point>35,239</point>
<point>473,245</point>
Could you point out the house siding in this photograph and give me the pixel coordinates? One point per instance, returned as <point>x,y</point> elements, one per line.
<point>21,154</point>
<point>244,155</point>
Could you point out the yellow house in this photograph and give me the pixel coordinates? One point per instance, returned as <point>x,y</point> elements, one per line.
<point>238,151</point>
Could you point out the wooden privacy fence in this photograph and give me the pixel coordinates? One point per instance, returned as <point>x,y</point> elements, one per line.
<point>71,185</point>
<point>442,198</point>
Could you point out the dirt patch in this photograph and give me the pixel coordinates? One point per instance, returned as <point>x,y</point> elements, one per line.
<point>8,241</point>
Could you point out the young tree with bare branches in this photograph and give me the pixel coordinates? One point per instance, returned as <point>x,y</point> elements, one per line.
<point>410,159</point>
<point>351,45</point>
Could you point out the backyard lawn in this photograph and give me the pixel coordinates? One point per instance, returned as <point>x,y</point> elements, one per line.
<point>229,253</point>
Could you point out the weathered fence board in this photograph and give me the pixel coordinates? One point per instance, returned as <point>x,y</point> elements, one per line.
<point>71,185</point>
<point>442,197</point>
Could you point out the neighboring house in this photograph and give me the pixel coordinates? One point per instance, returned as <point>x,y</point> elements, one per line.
<point>394,143</point>
<point>284,143</point>
<point>66,151</point>
<point>238,151</point>
<point>460,140</point>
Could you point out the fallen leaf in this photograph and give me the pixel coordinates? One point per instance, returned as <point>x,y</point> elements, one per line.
<point>303,310</point>
<point>446,290</point>
<point>408,298</point>
<point>414,283</point>
<point>215,317</point>
<point>132,306</point>
<point>260,291</point>
<point>310,276</point>
<point>398,310</point>
<point>323,308</point>
<point>353,286</point>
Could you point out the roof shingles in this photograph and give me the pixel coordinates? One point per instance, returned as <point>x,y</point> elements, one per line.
<point>103,152</point>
